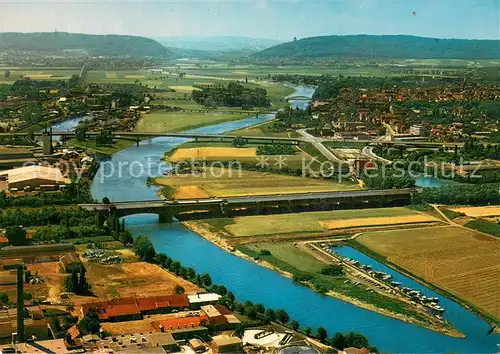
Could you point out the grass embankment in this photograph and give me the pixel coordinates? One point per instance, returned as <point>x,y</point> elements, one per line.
<point>224,182</point>
<point>457,262</point>
<point>263,129</point>
<point>303,267</point>
<point>306,223</point>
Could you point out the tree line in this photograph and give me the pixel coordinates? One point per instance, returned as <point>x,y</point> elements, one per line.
<point>256,312</point>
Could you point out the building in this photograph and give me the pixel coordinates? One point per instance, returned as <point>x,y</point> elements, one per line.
<point>226,344</point>
<point>70,262</point>
<point>200,299</point>
<point>34,177</point>
<point>132,343</point>
<point>8,277</point>
<point>115,310</point>
<point>220,317</point>
<point>15,157</point>
<point>417,130</point>
<point>35,325</point>
<point>162,304</point>
<point>43,346</point>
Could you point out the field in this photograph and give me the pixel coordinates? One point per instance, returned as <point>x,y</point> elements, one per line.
<point>263,129</point>
<point>162,122</point>
<point>224,182</point>
<point>458,260</point>
<point>311,222</point>
<point>211,152</point>
<point>477,212</point>
<point>377,221</point>
<point>130,279</point>
<point>37,73</point>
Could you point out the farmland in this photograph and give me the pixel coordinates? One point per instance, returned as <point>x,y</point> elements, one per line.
<point>211,152</point>
<point>457,260</point>
<point>311,222</point>
<point>225,182</point>
<point>477,212</point>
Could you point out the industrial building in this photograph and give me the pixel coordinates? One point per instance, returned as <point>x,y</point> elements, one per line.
<point>35,177</point>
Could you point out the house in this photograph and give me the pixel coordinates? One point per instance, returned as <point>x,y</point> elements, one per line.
<point>181,323</point>
<point>226,344</point>
<point>70,262</point>
<point>197,345</point>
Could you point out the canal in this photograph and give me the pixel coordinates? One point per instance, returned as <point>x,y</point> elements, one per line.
<point>249,281</point>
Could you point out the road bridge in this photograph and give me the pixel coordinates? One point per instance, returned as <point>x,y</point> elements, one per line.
<point>255,205</point>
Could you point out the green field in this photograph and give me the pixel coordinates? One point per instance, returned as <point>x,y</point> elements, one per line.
<point>38,74</point>
<point>300,223</point>
<point>162,122</point>
<point>305,267</point>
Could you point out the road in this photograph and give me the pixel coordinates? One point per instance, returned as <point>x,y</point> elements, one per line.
<point>368,151</point>
<point>317,143</point>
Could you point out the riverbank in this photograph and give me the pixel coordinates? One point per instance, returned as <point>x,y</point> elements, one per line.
<point>224,244</point>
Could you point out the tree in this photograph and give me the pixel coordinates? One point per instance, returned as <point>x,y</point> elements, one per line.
<point>294,325</point>
<point>190,273</point>
<point>175,267</point>
<point>271,314</point>
<point>90,322</point>
<point>321,334</point>
<point>206,279</point>
<point>282,316</point>
<point>307,331</point>
<point>357,340</point>
<point>16,236</point>
<point>80,132</point>
<point>6,74</point>
<point>239,142</point>
<point>144,249</point>
<point>332,270</point>
<point>105,200</point>
<point>179,289</point>
<point>4,298</point>
<point>339,341</point>
<point>260,308</point>
<point>126,237</point>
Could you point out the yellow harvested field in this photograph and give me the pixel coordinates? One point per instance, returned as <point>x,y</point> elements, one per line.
<point>297,223</point>
<point>224,182</point>
<point>110,75</point>
<point>190,192</point>
<point>135,76</point>
<point>458,260</point>
<point>477,212</point>
<point>184,88</point>
<point>38,76</point>
<point>409,219</point>
<point>211,152</point>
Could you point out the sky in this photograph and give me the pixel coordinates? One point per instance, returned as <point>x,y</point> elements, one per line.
<point>285,19</point>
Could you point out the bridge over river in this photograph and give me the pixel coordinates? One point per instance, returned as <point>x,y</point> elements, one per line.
<point>256,205</point>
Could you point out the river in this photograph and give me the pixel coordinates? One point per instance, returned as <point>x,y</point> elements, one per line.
<point>250,281</point>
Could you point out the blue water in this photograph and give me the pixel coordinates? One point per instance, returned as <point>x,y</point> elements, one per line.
<point>249,281</point>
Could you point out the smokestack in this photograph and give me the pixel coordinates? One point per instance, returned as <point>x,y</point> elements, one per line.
<point>20,304</point>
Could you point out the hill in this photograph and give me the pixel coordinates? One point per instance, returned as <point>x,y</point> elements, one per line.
<point>90,44</point>
<point>398,46</point>
<point>220,43</point>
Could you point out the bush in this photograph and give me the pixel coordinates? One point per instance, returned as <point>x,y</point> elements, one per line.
<point>332,270</point>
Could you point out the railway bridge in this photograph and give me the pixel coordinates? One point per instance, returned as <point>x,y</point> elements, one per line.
<point>255,205</point>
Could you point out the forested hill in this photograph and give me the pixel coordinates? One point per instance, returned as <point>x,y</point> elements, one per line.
<point>94,45</point>
<point>385,46</point>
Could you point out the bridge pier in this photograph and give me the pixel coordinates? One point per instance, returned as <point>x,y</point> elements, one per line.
<point>166,216</point>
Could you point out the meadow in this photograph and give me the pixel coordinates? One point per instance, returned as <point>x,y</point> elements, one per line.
<point>223,182</point>
<point>455,259</point>
<point>169,122</point>
<point>37,73</point>
<point>310,222</point>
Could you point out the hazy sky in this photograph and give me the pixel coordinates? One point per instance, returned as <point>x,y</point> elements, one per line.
<point>258,18</point>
